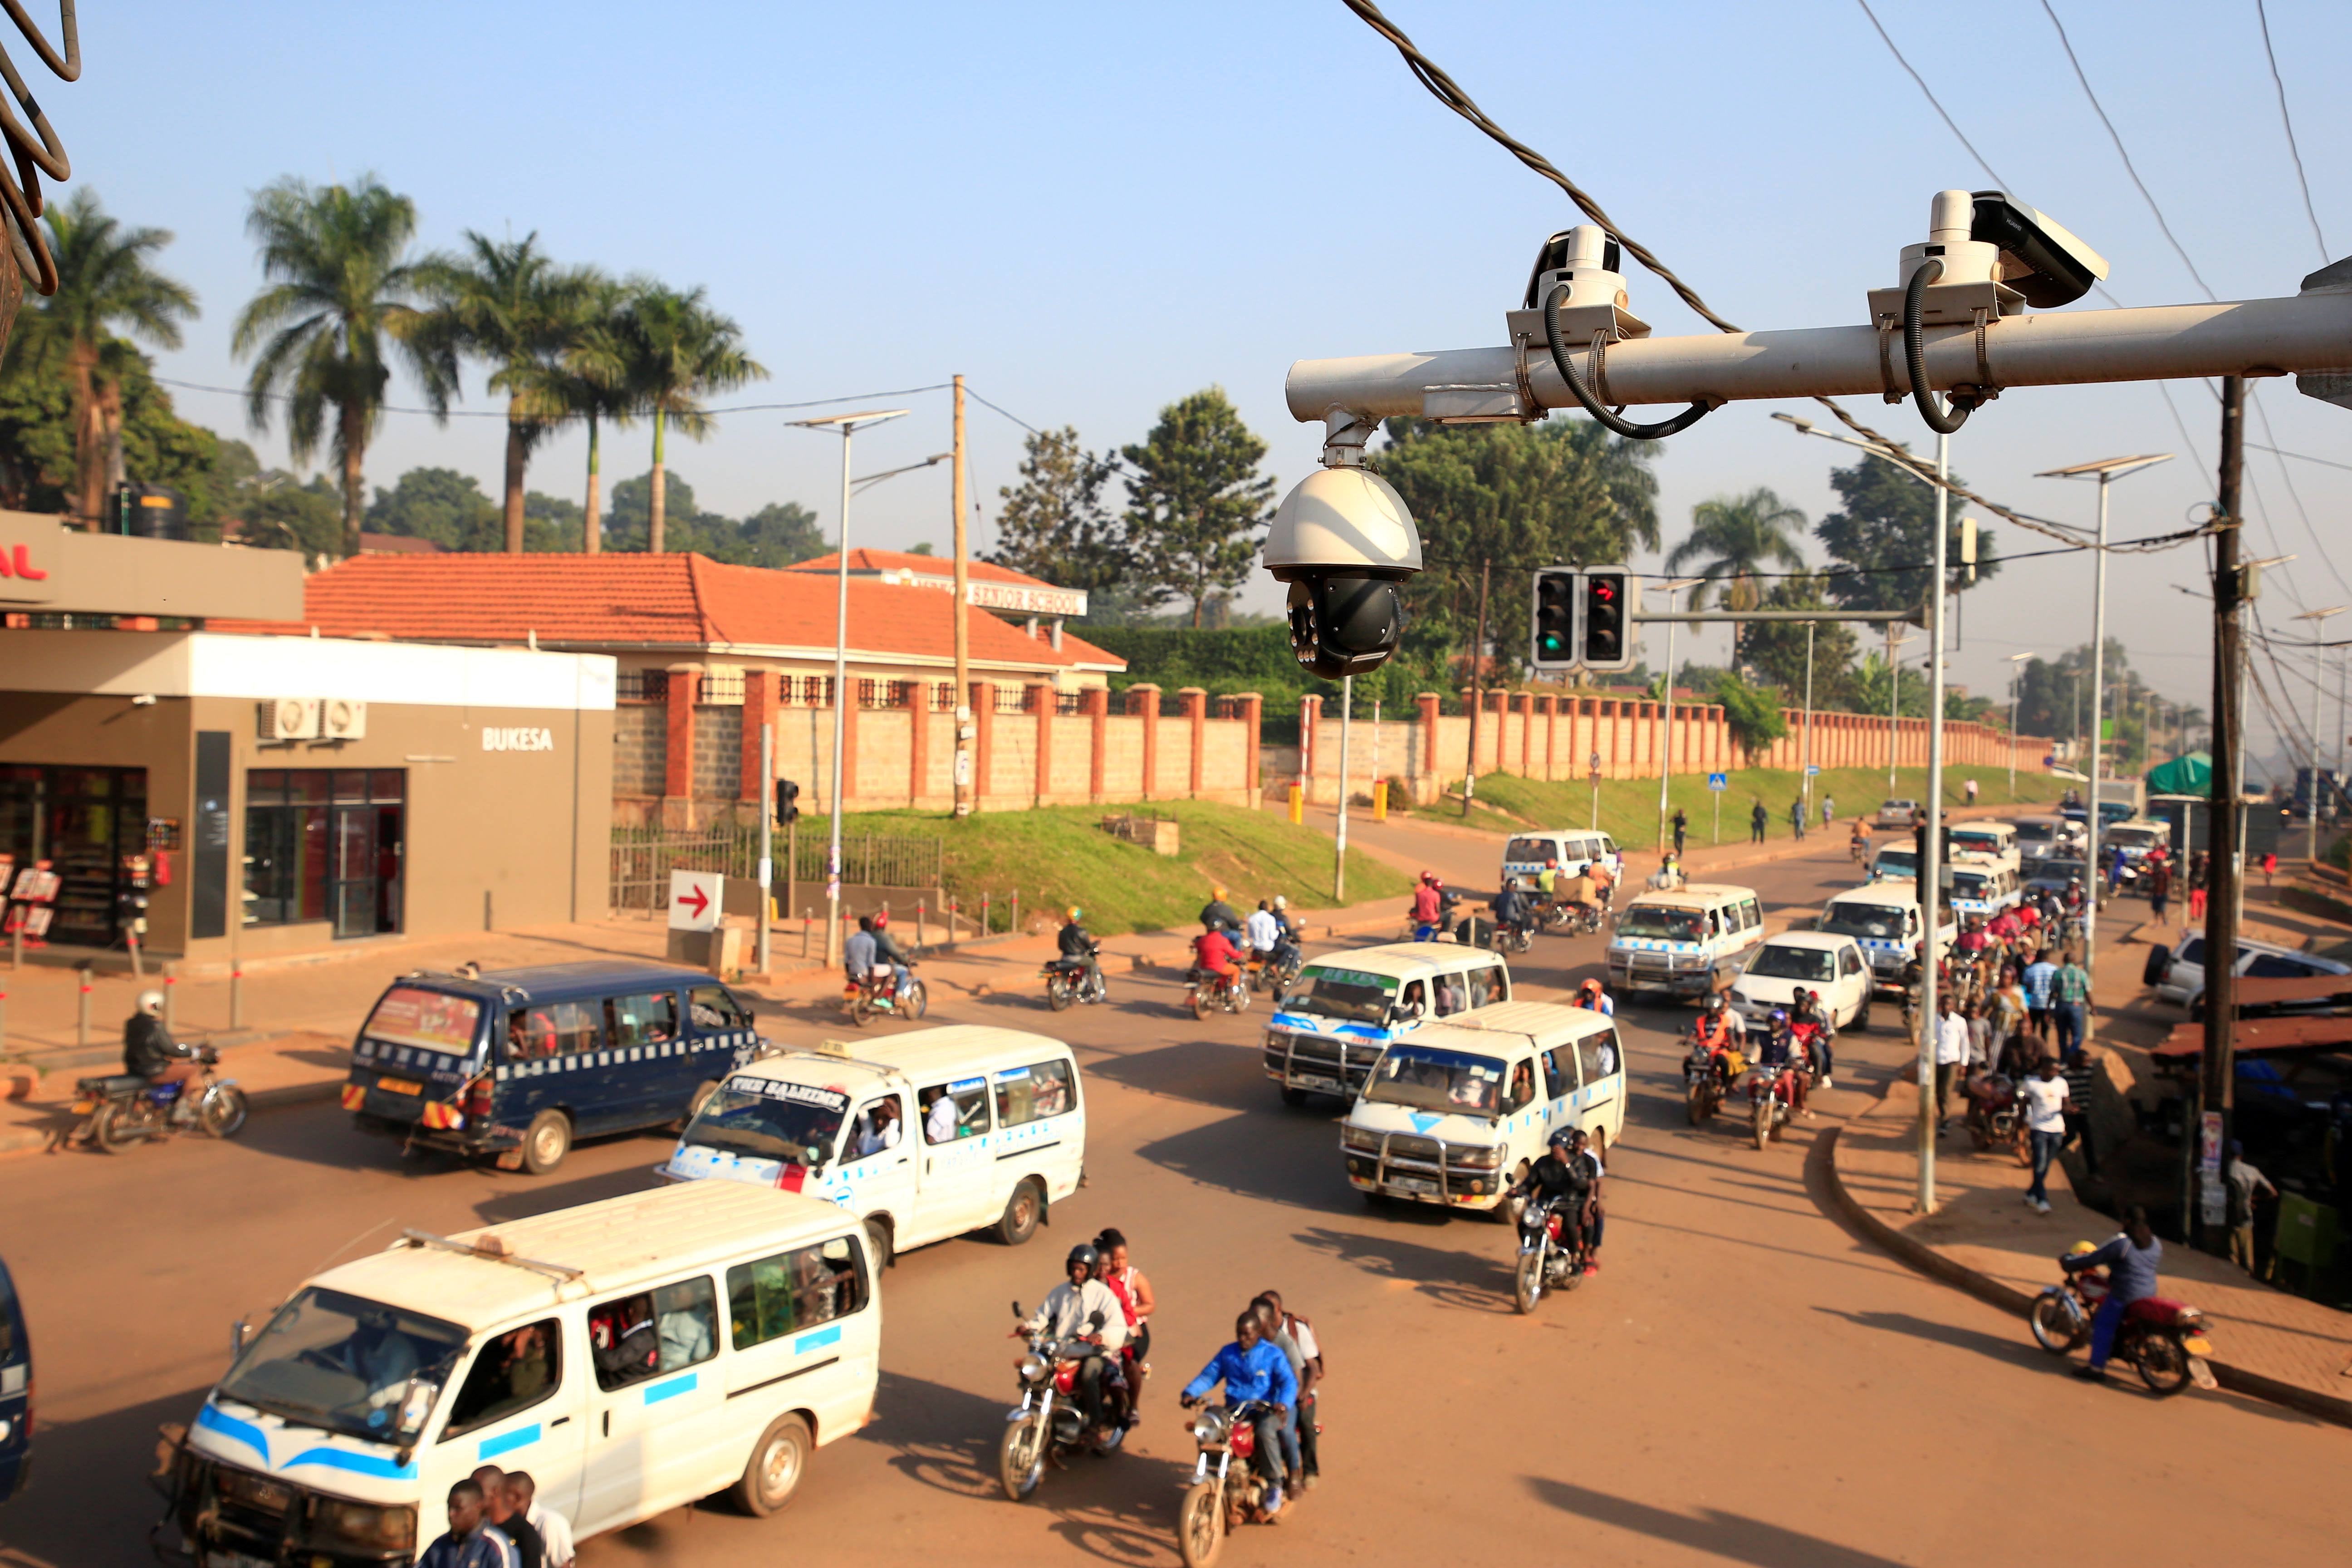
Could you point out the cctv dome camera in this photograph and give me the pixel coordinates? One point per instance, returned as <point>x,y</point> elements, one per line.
<point>1343,538</point>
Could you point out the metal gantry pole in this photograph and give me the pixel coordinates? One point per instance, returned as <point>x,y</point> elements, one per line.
<point>1339,856</point>
<point>2098,730</point>
<point>1931,848</point>
<point>1667,726</point>
<point>1894,705</point>
<point>1809,721</point>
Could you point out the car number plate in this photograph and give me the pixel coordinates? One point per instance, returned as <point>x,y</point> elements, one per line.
<point>1412,1184</point>
<point>1306,1081</point>
<point>399,1086</point>
<point>2198,1346</point>
<point>84,1107</point>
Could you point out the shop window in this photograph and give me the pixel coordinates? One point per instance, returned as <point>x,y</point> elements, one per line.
<point>91,825</point>
<point>325,844</point>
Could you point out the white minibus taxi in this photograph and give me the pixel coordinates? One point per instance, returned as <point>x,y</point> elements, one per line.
<point>1683,942</point>
<point>923,1135</point>
<point>1344,1008</point>
<point>631,1355</point>
<point>1454,1113</point>
<point>1574,849</point>
<point>1883,918</point>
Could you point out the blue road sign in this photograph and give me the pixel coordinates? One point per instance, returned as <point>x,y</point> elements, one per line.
<point>1717,781</point>
<point>1812,771</point>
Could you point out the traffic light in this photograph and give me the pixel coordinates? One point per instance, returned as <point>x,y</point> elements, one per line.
<point>1554,644</point>
<point>788,801</point>
<point>1607,600</point>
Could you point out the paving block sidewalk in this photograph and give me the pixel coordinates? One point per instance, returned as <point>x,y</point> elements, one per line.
<point>1985,1240</point>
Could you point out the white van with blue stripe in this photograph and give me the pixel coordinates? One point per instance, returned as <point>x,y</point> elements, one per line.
<point>1686,942</point>
<point>632,1355</point>
<point>1883,918</point>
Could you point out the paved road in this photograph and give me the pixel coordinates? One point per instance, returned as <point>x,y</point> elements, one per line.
<point>1744,1383</point>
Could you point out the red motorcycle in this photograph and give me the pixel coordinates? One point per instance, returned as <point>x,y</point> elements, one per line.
<point>2164,1341</point>
<point>1996,1115</point>
<point>1771,1100</point>
<point>879,991</point>
<point>1225,1489</point>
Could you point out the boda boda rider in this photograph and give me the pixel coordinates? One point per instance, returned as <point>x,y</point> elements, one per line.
<point>1253,1370</point>
<point>1590,995</point>
<point>1510,909</point>
<point>150,1052</point>
<point>1778,1057</point>
<point>1073,942</point>
<point>1428,906</point>
<point>1082,1306</point>
<point>887,951</point>
<point>1561,1180</point>
<point>1718,1029</point>
<point>2130,1260</point>
<point>1218,915</point>
<point>1810,1011</point>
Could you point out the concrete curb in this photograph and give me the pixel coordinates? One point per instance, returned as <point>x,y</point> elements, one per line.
<point>1919,1255</point>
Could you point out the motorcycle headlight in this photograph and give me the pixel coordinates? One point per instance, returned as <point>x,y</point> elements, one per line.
<point>1032,1369</point>
<point>1479,1158</point>
<point>364,1525</point>
<point>1360,1138</point>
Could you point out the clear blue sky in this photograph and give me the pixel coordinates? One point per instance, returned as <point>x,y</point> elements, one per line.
<point>1093,209</point>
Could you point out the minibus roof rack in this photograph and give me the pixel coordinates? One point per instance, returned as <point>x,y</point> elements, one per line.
<point>491,1249</point>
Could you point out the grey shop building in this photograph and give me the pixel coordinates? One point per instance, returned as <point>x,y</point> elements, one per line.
<point>275,795</point>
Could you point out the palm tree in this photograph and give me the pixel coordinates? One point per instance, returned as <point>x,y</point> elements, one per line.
<point>510,305</point>
<point>104,284</point>
<point>595,383</point>
<point>678,351</point>
<point>343,293</point>
<point>1734,538</point>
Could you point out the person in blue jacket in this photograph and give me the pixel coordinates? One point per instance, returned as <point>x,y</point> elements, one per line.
<point>2130,1260</point>
<point>1252,1369</point>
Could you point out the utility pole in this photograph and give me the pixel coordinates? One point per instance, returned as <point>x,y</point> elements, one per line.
<point>1808,775</point>
<point>1931,843</point>
<point>1340,859</point>
<point>1477,663</point>
<point>1894,703</point>
<point>2218,1077</point>
<point>960,705</point>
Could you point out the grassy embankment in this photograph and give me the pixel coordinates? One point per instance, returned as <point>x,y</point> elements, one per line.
<point>1629,808</point>
<point>1055,857</point>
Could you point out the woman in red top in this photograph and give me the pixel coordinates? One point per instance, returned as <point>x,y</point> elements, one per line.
<point>1134,1291</point>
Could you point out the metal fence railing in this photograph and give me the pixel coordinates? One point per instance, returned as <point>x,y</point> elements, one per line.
<point>643,859</point>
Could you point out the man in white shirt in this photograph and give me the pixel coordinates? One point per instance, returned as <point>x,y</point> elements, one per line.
<point>1075,1308</point>
<point>1951,1050</point>
<point>2044,1095</point>
<point>1263,929</point>
<point>939,1121</point>
<point>877,1129</point>
<point>554,1530</point>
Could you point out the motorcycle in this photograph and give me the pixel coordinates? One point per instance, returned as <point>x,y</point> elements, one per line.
<point>1996,1117</point>
<point>1769,1102</point>
<point>1546,1261</point>
<point>123,1109</point>
<point>1048,1426</point>
<point>1857,850</point>
<point>1210,992</point>
<point>1514,937</point>
<point>878,992</point>
<point>1706,1077</point>
<point>2165,1342</point>
<point>1273,971</point>
<point>1068,984</point>
<point>1225,1489</point>
<point>1574,919</point>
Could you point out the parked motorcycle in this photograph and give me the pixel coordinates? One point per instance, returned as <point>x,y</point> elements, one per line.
<point>1210,992</point>
<point>1048,1424</point>
<point>1227,1488</point>
<point>1996,1116</point>
<point>880,993</point>
<point>123,1109</point>
<point>1769,1102</point>
<point>2164,1341</point>
<point>1546,1261</point>
<point>1068,984</point>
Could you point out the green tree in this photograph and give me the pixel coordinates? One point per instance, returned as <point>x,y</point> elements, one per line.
<point>1196,500</point>
<point>509,305</point>
<point>277,511</point>
<point>1733,540</point>
<point>438,504</point>
<point>341,300</point>
<point>1885,534</point>
<point>1053,524</point>
<point>1775,650</point>
<point>1751,713</point>
<point>678,351</point>
<point>593,383</point>
<point>39,459</point>
<point>777,535</point>
<point>106,283</point>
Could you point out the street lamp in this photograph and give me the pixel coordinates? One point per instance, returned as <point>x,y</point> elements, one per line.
<point>845,425</point>
<point>2318,619</point>
<point>2106,472</point>
<point>1667,706</point>
<point>2016,674</point>
<point>1894,700</point>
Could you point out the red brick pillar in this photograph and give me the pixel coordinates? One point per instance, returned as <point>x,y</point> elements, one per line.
<point>1551,736</point>
<point>1253,712</point>
<point>685,690</point>
<point>1524,702</point>
<point>1099,727</point>
<point>1196,715</point>
<point>1143,700</point>
<point>918,739</point>
<point>1427,702</point>
<point>1040,707</point>
<point>1310,728</point>
<point>983,737</point>
<point>758,708</point>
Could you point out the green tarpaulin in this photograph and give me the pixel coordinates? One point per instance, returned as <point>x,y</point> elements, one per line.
<point>2190,775</point>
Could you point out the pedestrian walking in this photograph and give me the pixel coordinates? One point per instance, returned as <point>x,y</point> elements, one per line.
<point>1971,788</point>
<point>2070,996</point>
<point>2045,1095</point>
<point>2245,1182</point>
<point>1682,828</point>
<point>2159,890</point>
<point>2270,867</point>
<point>1829,810</point>
<point>1951,1050</point>
<point>2197,887</point>
<point>1796,818</point>
<point>1757,821</point>
<point>2081,1075</point>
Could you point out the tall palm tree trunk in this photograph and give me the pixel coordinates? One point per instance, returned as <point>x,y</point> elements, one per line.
<point>592,532</point>
<point>90,471</point>
<point>518,458</point>
<point>653,506</point>
<point>354,443</point>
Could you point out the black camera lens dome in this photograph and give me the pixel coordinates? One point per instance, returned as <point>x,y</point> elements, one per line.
<point>1344,625</point>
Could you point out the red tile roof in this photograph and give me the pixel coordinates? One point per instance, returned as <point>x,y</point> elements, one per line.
<point>628,599</point>
<point>864,560</point>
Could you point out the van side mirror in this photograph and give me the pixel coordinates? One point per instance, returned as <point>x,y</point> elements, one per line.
<point>237,1331</point>
<point>1017,1312</point>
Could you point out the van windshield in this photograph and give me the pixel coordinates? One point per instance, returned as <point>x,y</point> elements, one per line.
<point>1880,923</point>
<point>1429,1079</point>
<point>1537,850</point>
<point>770,1119</point>
<point>2037,832</point>
<point>1350,995</point>
<point>1776,962</point>
<point>1904,861</point>
<point>1661,924</point>
<point>341,1363</point>
<point>1973,884</point>
<point>412,1016</point>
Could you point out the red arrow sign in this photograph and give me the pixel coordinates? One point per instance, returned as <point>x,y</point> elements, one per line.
<point>695,899</point>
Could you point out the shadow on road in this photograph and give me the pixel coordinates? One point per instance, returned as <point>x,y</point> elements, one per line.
<point>1212,1072</point>
<point>1731,1537</point>
<point>1289,1160</point>
<point>89,1503</point>
<point>1465,1276</point>
<point>2016,1352</point>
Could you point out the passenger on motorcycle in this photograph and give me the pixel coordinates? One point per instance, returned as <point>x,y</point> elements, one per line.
<point>1262,931</point>
<point>1592,996</point>
<point>1218,915</point>
<point>1073,943</point>
<point>1253,1370</point>
<point>1778,1057</point>
<point>857,953</point>
<point>1668,878</point>
<point>1212,951</point>
<point>150,1052</point>
<point>1604,881</point>
<point>1068,1311</point>
<point>1561,1180</point>
<point>1428,907</point>
<point>1510,907</point>
<point>1808,1013</point>
<point>887,951</point>
<point>1719,1030</point>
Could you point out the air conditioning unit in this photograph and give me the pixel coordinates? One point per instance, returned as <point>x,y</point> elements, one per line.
<point>289,719</point>
<point>340,719</point>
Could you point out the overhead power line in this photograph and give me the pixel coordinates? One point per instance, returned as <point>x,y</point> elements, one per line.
<point>2262,16</point>
<point>501,413</point>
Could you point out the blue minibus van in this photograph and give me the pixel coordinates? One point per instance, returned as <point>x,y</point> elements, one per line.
<point>516,1064</point>
<point>15,1392</point>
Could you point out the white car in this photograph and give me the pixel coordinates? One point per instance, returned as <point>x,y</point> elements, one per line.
<point>1816,961</point>
<point>2179,973</point>
<point>1897,813</point>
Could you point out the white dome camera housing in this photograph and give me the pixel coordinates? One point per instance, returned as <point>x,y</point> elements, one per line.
<point>1343,538</point>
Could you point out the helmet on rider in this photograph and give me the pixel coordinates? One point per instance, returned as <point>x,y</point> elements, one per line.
<point>1083,1255</point>
<point>1217,891</point>
<point>152,1003</point>
<point>1780,1019</point>
<point>1562,1138</point>
<point>1280,902</point>
<point>1073,914</point>
<point>881,917</point>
